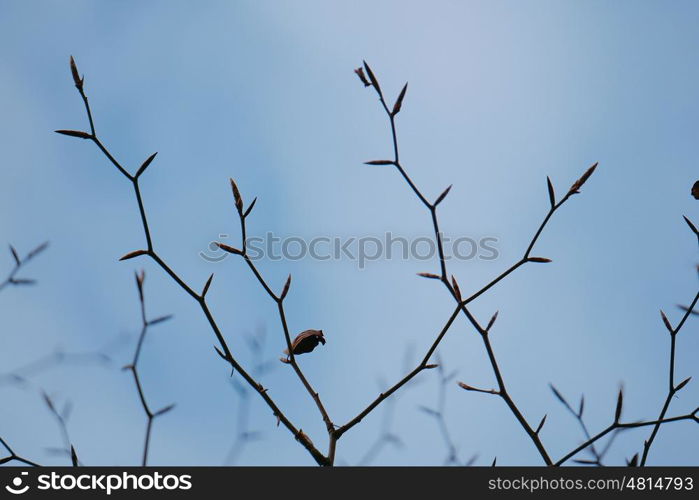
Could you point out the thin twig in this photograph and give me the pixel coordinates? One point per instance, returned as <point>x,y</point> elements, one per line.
<point>19,262</point>
<point>334,433</point>
<point>279,300</point>
<point>385,438</point>
<point>672,388</point>
<point>598,455</point>
<point>423,365</point>
<point>244,435</point>
<point>503,392</point>
<point>526,258</point>
<point>58,357</point>
<point>630,425</point>
<point>225,352</point>
<point>438,413</point>
<point>133,367</point>
<point>61,418</point>
<point>14,457</point>
<point>452,286</point>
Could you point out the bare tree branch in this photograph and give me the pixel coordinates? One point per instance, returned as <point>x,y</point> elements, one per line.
<point>133,366</point>
<point>12,279</point>
<point>14,457</point>
<point>672,388</point>
<point>199,298</point>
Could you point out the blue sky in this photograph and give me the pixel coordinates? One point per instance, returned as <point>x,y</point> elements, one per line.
<point>501,95</point>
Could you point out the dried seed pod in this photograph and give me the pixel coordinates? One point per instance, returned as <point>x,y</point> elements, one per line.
<point>306,341</point>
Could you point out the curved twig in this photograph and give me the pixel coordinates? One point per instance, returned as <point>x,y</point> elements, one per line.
<point>672,388</point>
<point>452,286</point>
<point>14,457</point>
<point>133,367</point>
<point>12,279</point>
<point>630,425</point>
<point>225,352</point>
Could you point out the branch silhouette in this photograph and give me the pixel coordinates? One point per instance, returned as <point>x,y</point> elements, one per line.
<point>386,436</point>
<point>438,414</point>
<point>598,455</point>
<point>452,285</point>
<point>672,388</point>
<point>150,251</point>
<point>279,300</point>
<point>334,432</point>
<point>244,434</point>
<point>13,457</point>
<point>672,391</point>
<point>368,78</point>
<point>19,263</point>
<point>133,366</point>
<point>449,281</point>
<point>59,357</point>
<point>629,425</point>
<point>61,418</point>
